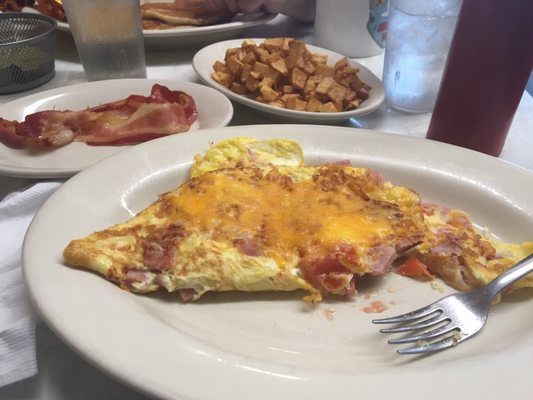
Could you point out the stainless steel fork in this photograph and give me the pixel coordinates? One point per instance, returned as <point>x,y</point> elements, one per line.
<point>453,318</point>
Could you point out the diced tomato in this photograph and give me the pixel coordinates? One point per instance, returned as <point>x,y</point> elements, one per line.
<point>413,268</point>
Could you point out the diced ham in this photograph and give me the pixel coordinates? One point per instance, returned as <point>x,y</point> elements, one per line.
<point>342,163</point>
<point>248,246</point>
<point>377,176</point>
<point>330,273</point>
<point>136,277</point>
<point>187,294</point>
<point>447,249</point>
<point>431,208</point>
<point>131,120</point>
<point>406,243</point>
<point>160,247</point>
<point>381,257</point>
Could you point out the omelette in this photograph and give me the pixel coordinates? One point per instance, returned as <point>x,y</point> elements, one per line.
<point>276,228</point>
<point>252,217</point>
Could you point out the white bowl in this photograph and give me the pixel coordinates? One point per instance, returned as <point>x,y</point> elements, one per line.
<point>205,58</point>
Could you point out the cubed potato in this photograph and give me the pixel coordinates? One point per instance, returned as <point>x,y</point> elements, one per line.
<point>295,103</point>
<point>268,93</point>
<point>234,51</point>
<point>266,81</point>
<point>249,58</point>
<point>223,78</point>
<point>252,84</point>
<point>287,96</point>
<point>234,65</point>
<point>280,66</point>
<point>349,96</point>
<point>337,92</point>
<point>238,88</point>
<point>286,44</point>
<point>298,78</point>
<point>324,70</point>
<point>219,66</point>
<point>309,68</point>
<point>327,107</point>
<point>297,51</point>
<point>342,63</point>
<point>248,42</point>
<point>260,52</point>
<point>261,69</point>
<point>246,70</point>
<point>324,85</point>
<point>289,89</point>
<point>274,43</point>
<point>313,104</point>
<point>319,58</point>
<point>310,84</point>
<point>355,103</point>
<point>276,103</point>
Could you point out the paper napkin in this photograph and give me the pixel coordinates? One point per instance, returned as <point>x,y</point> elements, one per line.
<point>17,317</point>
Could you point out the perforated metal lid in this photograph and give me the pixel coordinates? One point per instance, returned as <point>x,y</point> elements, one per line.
<point>27,50</point>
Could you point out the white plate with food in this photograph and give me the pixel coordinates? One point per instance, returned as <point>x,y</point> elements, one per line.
<point>213,110</point>
<point>194,36</point>
<point>205,59</point>
<point>277,345</point>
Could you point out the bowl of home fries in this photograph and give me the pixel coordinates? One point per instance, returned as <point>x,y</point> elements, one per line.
<point>289,78</point>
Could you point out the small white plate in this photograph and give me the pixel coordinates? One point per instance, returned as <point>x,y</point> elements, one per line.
<point>265,346</point>
<point>205,58</point>
<point>214,110</point>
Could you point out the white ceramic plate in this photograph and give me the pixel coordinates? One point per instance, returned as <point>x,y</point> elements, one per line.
<point>268,346</point>
<point>214,110</point>
<point>205,58</point>
<point>195,36</point>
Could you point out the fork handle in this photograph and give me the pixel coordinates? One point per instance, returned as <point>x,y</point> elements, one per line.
<point>519,270</point>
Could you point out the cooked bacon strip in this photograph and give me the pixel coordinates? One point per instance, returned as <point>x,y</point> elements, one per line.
<point>14,5</point>
<point>128,121</point>
<point>188,12</point>
<point>52,8</point>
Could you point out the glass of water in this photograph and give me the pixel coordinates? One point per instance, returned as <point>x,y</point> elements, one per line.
<point>418,40</point>
<point>108,36</point>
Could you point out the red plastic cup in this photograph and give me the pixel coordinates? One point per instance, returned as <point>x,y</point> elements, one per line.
<point>488,66</point>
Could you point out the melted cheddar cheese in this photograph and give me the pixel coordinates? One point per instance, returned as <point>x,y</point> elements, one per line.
<point>285,214</point>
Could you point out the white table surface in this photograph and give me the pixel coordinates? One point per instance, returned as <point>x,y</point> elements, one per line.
<point>65,375</point>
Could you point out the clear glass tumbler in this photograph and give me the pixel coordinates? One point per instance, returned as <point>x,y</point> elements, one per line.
<point>108,36</point>
<point>418,40</point>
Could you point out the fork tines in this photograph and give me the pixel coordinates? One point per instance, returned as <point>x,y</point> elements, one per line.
<point>441,336</point>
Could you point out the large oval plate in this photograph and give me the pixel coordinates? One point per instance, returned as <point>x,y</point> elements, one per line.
<point>214,110</point>
<point>195,36</point>
<point>205,58</point>
<point>238,346</point>
<point>191,36</point>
